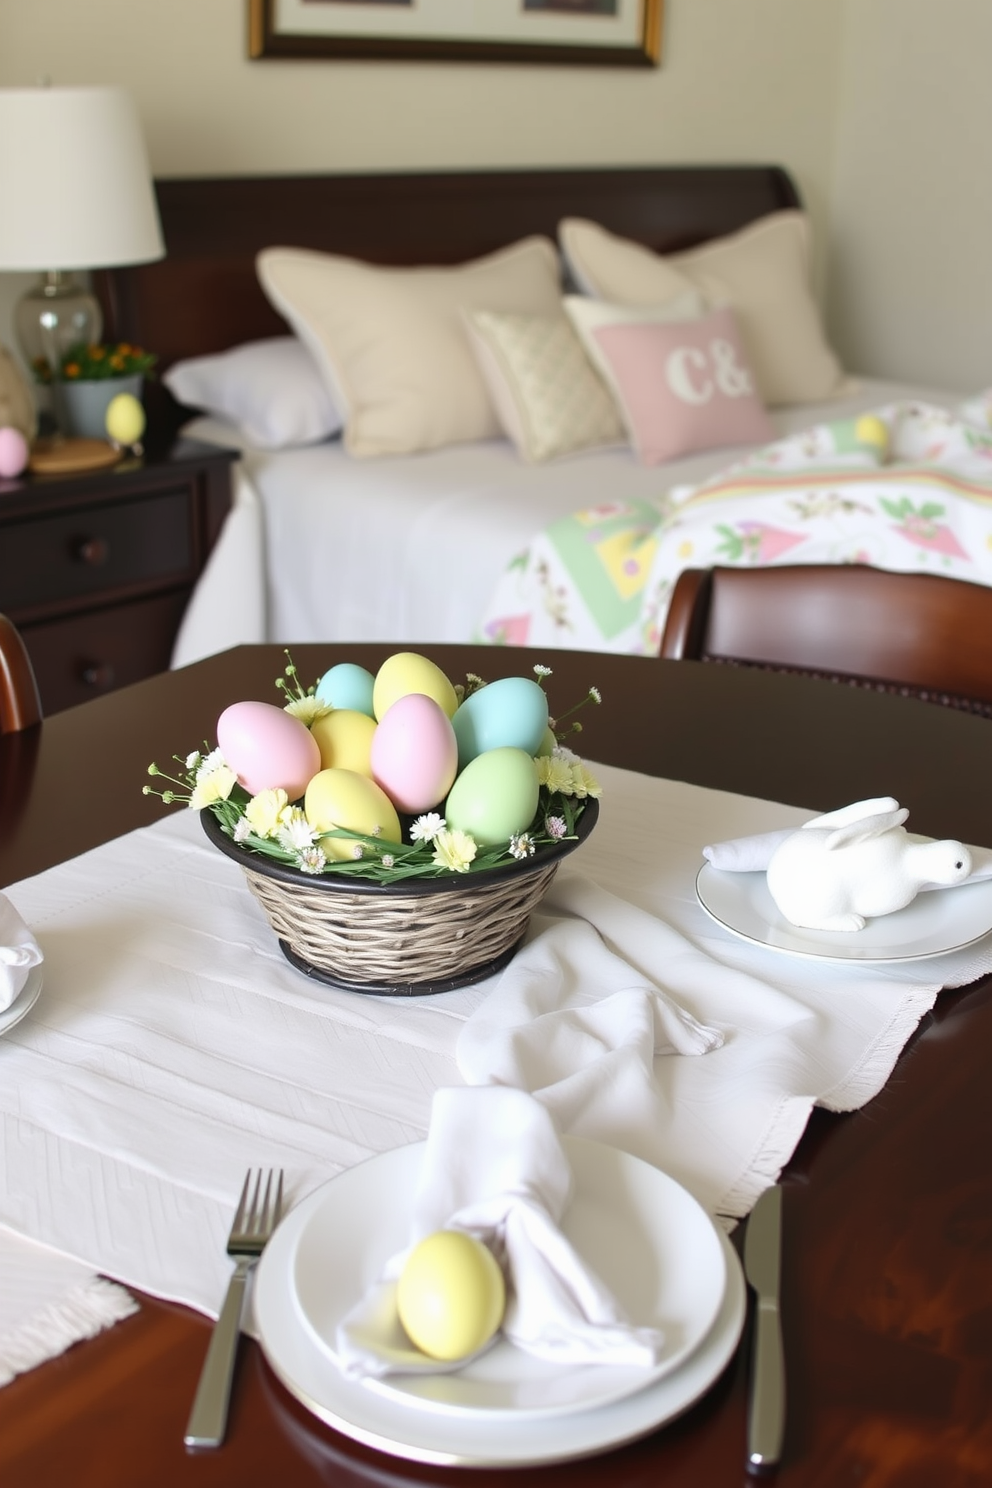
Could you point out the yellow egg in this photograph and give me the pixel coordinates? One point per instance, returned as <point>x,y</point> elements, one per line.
<point>548,744</point>
<point>451,1295</point>
<point>125,420</point>
<point>869,429</point>
<point>344,739</point>
<point>407,672</point>
<point>343,798</point>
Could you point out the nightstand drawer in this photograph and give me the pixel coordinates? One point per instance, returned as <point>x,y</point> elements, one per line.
<point>79,658</point>
<point>72,555</point>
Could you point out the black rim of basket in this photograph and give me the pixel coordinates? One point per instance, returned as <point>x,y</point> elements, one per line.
<point>346,883</point>
<point>430,987</point>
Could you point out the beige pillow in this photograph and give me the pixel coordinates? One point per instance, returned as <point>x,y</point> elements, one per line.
<point>392,343</point>
<point>761,272</point>
<point>549,398</point>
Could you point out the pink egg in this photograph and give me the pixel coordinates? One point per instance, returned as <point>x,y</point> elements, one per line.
<point>267,748</point>
<point>13,451</point>
<point>414,753</point>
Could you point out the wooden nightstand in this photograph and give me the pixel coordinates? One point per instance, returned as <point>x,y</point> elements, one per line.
<point>96,567</point>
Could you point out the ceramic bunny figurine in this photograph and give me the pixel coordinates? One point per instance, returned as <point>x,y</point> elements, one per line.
<point>842,869</point>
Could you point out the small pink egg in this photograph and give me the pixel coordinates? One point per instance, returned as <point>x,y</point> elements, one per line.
<point>414,753</point>
<point>13,451</point>
<point>267,748</point>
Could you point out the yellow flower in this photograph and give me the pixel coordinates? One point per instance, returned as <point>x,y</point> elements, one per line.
<point>217,785</point>
<point>454,850</point>
<point>554,772</point>
<point>264,811</point>
<point>71,369</point>
<point>584,783</point>
<point>308,709</point>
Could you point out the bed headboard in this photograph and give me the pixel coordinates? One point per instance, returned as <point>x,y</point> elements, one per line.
<point>204,295</point>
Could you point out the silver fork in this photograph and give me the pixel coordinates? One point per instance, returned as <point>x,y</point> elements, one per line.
<point>253,1224</point>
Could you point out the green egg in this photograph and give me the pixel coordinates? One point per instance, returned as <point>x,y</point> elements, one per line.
<point>494,797</point>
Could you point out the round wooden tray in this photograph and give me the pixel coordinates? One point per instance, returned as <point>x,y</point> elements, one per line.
<point>62,456</point>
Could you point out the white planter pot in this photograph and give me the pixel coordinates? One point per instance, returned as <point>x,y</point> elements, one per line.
<point>81,407</point>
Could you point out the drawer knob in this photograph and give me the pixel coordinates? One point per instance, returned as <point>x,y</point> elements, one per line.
<point>98,675</point>
<point>93,550</point>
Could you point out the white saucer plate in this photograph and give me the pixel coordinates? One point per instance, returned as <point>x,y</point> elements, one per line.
<point>644,1235</point>
<point>936,922</point>
<point>24,1001</point>
<point>407,1427</point>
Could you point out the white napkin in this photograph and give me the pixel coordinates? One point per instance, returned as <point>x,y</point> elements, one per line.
<point>19,952</point>
<point>580,1024</point>
<point>495,1167</point>
<point>753,854</point>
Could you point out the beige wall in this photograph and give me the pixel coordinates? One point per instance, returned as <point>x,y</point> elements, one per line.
<point>911,205</point>
<point>880,108</point>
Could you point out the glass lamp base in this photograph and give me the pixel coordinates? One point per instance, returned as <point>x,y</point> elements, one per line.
<point>54,316</point>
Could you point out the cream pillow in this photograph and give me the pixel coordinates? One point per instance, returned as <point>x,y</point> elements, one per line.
<point>392,342</point>
<point>549,398</point>
<point>762,272</point>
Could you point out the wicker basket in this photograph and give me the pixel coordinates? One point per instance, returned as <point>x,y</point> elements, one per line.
<point>406,940</point>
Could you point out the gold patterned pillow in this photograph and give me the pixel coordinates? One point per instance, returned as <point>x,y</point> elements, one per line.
<point>548,396</point>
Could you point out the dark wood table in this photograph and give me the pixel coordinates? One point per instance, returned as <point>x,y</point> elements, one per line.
<point>887,1283</point>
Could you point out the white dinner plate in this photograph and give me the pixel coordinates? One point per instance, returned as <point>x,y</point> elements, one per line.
<point>936,922</point>
<point>643,1234</point>
<point>24,1001</point>
<point>403,1427</point>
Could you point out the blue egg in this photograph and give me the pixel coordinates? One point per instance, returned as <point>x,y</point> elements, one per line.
<point>509,714</point>
<point>347,686</point>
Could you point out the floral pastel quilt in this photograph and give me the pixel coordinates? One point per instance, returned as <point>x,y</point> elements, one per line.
<point>907,487</point>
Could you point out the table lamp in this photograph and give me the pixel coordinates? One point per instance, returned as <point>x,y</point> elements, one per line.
<point>75,193</point>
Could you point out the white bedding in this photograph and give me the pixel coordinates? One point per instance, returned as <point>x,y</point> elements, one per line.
<point>320,546</point>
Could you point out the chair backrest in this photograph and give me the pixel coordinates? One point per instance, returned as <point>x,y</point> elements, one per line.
<point>917,634</point>
<point>20,701</point>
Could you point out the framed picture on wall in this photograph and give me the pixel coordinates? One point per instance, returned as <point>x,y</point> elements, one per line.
<point>593,32</point>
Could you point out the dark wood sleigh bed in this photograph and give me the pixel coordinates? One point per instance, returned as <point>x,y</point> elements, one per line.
<point>204,296</point>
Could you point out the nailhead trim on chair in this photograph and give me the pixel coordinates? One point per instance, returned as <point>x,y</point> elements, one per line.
<point>898,689</point>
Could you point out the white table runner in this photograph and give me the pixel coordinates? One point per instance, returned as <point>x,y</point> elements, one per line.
<point>173,1046</point>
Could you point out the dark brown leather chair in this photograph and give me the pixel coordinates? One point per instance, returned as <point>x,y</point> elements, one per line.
<point>916,634</point>
<point>20,702</point>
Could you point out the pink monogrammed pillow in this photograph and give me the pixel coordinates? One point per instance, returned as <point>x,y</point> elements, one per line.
<point>681,386</point>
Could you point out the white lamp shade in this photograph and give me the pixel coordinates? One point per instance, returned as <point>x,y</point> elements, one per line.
<point>75,184</point>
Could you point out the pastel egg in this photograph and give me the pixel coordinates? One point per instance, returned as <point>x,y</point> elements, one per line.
<point>494,797</point>
<point>267,748</point>
<point>343,798</point>
<point>450,1295</point>
<point>510,713</point>
<point>125,419</point>
<point>870,429</point>
<point>407,672</point>
<point>344,739</point>
<point>414,754</point>
<point>548,744</point>
<point>347,685</point>
<point>13,451</point>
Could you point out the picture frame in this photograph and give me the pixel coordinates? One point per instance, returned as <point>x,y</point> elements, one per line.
<point>621,33</point>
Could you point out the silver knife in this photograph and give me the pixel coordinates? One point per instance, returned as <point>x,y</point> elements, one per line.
<point>762,1258</point>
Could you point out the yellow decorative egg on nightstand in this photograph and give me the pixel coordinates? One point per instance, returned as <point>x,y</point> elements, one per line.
<point>125,419</point>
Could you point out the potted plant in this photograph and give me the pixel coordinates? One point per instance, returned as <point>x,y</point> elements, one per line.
<point>88,378</point>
